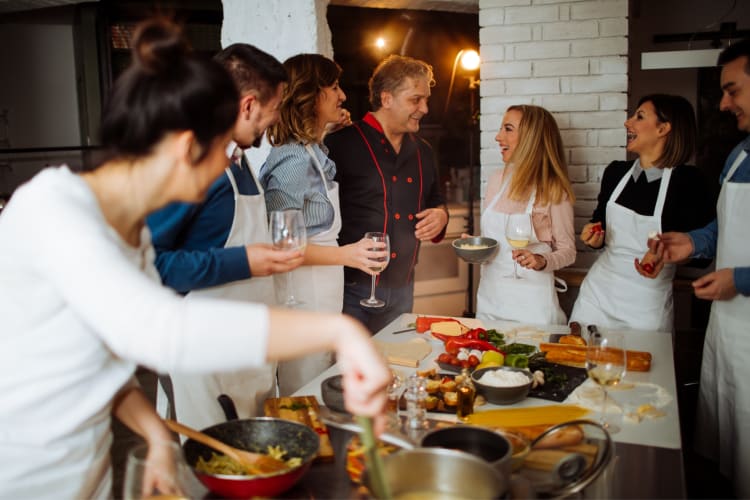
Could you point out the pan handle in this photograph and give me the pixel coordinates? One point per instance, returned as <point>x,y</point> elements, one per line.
<point>348,423</point>
<point>227,405</point>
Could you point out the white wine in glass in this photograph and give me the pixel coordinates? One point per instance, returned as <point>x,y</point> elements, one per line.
<point>377,266</point>
<point>518,234</point>
<point>606,364</point>
<point>288,233</point>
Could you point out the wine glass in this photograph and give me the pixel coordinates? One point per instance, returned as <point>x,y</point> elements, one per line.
<point>377,265</point>
<point>163,474</point>
<point>288,233</point>
<point>518,233</point>
<point>606,364</point>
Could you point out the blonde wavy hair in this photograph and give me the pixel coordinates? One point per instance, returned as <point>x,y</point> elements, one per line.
<point>308,75</point>
<point>539,158</point>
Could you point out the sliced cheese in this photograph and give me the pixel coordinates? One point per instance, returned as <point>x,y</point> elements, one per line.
<point>522,417</point>
<point>450,328</point>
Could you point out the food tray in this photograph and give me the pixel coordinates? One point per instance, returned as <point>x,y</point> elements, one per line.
<point>560,380</point>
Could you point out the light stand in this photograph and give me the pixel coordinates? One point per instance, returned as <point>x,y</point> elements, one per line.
<point>473,122</point>
<point>469,61</point>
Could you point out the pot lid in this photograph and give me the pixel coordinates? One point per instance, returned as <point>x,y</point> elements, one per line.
<point>566,458</point>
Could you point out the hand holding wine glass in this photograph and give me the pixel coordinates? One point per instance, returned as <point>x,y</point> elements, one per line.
<point>606,363</point>
<point>288,233</point>
<point>518,234</point>
<point>377,266</point>
<point>156,471</point>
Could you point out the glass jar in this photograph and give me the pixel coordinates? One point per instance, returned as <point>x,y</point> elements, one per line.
<point>415,395</point>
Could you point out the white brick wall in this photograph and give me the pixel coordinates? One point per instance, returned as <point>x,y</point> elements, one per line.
<point>569,56</point>
<point>279,28</point>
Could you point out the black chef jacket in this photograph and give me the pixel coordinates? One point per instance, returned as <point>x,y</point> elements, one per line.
<point>380,190</point>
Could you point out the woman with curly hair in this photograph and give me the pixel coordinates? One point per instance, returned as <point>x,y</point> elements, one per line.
<point>299,175</point>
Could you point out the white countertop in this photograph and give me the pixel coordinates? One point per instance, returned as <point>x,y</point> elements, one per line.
<point>663,432</point>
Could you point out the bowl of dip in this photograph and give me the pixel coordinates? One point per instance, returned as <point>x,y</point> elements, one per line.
<point>502,385</point>
<point>475,249</point>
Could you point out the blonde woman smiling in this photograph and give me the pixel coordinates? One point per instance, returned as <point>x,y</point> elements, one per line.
<point>535,182</point>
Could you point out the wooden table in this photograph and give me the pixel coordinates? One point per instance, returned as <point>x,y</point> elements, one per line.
<point>648,457</point>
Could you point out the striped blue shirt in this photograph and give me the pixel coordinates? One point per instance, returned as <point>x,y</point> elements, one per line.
<point>292,181</point>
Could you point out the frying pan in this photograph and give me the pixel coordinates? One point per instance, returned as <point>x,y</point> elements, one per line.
<point>255,434</point>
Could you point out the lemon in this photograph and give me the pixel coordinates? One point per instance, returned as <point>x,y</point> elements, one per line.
<point>493,356</point>
<point>486,364</point>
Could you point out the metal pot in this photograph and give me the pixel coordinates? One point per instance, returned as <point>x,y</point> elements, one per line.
<point>490,448</point>
<point>478,441</point>
<point>440,472</point>
<point>255,434</point>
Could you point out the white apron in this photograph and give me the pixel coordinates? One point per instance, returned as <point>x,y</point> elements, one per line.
<point>723,423</point>
<point>613,294</point>
<point>532,299</point>
<point>195,395</point>
<point>319,288</point>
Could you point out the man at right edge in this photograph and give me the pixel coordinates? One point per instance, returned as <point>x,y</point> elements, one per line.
<point>723,419</point>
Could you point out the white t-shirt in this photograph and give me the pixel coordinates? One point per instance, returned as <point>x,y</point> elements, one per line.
<point>79,309</point>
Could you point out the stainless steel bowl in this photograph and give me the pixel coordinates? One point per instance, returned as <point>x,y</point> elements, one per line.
<point>475,255</point>
<point>438,471</point>
<point>488,445</point>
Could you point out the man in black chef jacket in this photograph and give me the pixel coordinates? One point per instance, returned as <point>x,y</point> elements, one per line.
<point>388,182</point>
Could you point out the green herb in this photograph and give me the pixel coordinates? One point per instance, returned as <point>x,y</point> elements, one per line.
<point>496,338</point>
<point>519,349</point>
<point>373,462</point>
<point>550,377</point>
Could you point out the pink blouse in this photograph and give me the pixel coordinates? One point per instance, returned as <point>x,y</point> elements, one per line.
<point>553,224</point>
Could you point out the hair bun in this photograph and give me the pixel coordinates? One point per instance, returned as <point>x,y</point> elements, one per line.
<point>158,44</point>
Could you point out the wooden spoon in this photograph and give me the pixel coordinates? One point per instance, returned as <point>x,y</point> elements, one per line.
<point>254,462</point>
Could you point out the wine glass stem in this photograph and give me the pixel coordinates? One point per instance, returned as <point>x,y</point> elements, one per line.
<point>604,408</point>
<point>515,269</point>
<point>372,289</point>
<point>289,294</point>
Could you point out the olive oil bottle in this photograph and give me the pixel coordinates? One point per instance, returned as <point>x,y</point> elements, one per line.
<point>466,393</point>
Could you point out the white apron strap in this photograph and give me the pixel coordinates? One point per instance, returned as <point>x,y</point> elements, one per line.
<point>233,182</point>
<point>735,165</point>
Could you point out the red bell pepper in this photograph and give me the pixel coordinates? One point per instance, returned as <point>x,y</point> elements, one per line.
<point>423,323</point>
<point>453,344</point>
<point>476,334</point>
<point>473,334</point>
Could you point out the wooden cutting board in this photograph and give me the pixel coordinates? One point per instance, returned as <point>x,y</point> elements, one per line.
<point>305,410</point>
<point>408,353</point>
